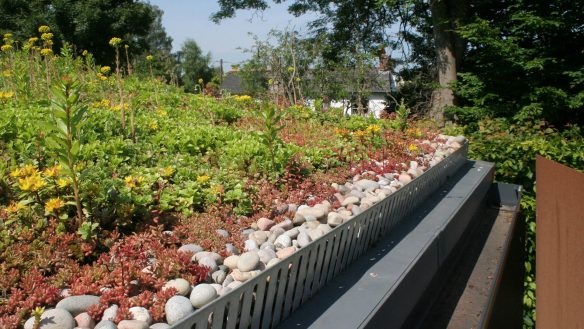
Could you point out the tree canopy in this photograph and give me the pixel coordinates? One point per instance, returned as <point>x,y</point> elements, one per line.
<point>86,24</point>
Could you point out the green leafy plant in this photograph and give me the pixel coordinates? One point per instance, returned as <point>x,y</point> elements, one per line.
<point>271,120</point>
<point>68,119</point>
<point>402,114</point>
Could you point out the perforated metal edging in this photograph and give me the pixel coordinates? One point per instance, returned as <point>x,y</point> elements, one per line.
<point>265,300</point>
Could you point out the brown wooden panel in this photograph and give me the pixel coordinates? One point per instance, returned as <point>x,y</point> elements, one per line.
<point>560,246</point>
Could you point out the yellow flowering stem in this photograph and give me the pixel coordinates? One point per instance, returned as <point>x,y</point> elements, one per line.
<point>119,82</point>
<point>128,65</point>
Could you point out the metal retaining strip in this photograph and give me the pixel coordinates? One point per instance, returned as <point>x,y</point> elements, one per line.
<point>265,300</point>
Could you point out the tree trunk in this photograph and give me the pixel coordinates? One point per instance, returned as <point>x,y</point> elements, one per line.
<point>446,15</point>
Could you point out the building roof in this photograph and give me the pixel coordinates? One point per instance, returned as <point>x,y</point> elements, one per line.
<point>232,83</point>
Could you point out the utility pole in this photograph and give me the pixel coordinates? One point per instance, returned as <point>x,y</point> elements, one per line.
<point>221,69</point>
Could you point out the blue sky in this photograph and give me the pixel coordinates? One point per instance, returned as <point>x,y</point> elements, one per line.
<point>185,19</point>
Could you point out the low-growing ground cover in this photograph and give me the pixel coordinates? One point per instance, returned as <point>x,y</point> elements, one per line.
<point>104,177</point>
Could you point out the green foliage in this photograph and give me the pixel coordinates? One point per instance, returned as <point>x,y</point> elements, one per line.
<point>513,146</point>
<point>402,116</point>
<point>64,141</point>
<point>86,24</point>
<point>194,65</point>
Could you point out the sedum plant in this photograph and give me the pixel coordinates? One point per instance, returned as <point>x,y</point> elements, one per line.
<point>68,117</point>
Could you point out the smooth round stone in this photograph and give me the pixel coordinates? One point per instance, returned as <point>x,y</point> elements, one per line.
<point>248,261</point>
<point>268,245</point>
<point>202,294</point>
<point>218,276</point>
<point>266,255</point>
<point>334,219</point>
<point>84,320</point>
<point>77,304</point>
<point>224,291</point>
<point>176,308</point>
<point>160,325</point>
<point>414,164</point>
<point>366,184</point>
<point>202,254</point>
<point>182,286</point>
<point>324,228</point>
<point>259,237</point>
<point>234,284</point>
<point>303,239</point>
<point>273,262</point>
<point>105,324</point>
<point>243,276</point>
<point>299,219</point>
<point>315,233</point>
<point>133,324</point>
<point>231,261</point>
<point>228,280</point>
<point>141,314</point>
<point>325,206</point>
<point>216,286</point>
<point>245,233</point>
<point>404,178</point>
<point>191,247</point>
<point>356,210</point>
<point>209,262</point>
<point>276,231</point>
<point>57,318</point>
<point>311,214</point>
<point>292,207</point>
<point>285,225</point>
<point>312,225</point>
<point>250,245</point>
<point>222,233</point>
<point>414,173</point>
<point>351,199</point>
<point>231,249</point>
<point>283,253</point>
<point>292,233</point>
<point>265,224</point>
<point>111,312</point>
<point>283,241</point>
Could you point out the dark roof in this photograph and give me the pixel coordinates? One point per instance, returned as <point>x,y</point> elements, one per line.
<point>232,83</point>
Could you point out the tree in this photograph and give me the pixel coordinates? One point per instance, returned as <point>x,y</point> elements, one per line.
<point>366,23</point>
<point>86,24</point>
<point>194,66</point>
<point>164,63</point>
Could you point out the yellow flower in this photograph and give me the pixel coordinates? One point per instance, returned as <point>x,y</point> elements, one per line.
<point>63,182</point>
<point>127,47</point>
<point>153,125</point>
<point>84,53</point>
<point>373,129</point>
<point>203,179</point>
<point>46,51</point>
<point>6,48</point>
<point>6,73</point>
<point>150,58</point>
<point>31,183</point>
<point>101,76</point>
<point>359,133</point>
<point>114,42</point>
<point>29,170</point>
<point>6,95</point>
<point>14,207</point>
<point>161,113</point>
<point>54,204</point>
<point>270,82</point>
<point>133,182</point>
<point>33,40</point>
<point>7,36</point>
<point>47,36</point>
<point>413,148</point>
<point>167,171</point>
<point>242,98</point>
<point>290,69</point>
<point>44,29</point>
<point>200,81</point>
<point>15,173</point>
<point>52,171</point>
<point>105,69</point>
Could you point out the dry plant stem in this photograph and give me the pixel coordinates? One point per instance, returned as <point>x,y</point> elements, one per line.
<point>129,66</point>
<point>48,78</point>
<point>120,90</point>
